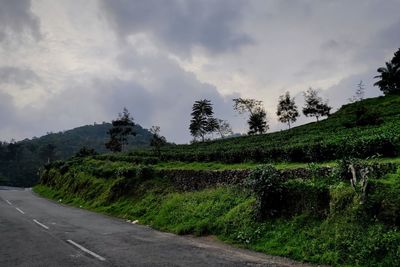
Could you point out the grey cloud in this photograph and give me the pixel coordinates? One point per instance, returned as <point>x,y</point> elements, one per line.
<point>345,89</point>
<point>17,18</point>
<point>330,45</point>
<point>166,103</point>
<point>181,24</point>
<point>14,75</point>
<point>7,110</point>
<point>169,100</point>
<point>8,117</point>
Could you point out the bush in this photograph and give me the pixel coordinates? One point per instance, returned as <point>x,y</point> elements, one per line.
<point>305,197</point>
<point>267,185</point>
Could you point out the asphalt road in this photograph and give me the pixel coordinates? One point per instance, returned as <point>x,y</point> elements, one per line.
<point>38,232</point>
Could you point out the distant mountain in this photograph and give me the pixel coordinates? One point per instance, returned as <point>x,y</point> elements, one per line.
<point>20,161</point>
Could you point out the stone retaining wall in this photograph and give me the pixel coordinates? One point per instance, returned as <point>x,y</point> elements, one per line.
<point>192,180</point>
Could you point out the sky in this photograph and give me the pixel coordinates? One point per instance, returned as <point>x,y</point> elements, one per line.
<point>69,63</point>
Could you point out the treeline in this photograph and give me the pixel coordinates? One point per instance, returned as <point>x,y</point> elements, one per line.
<point>20,161</point>
<point>345,133</point>
<point>204,123</point>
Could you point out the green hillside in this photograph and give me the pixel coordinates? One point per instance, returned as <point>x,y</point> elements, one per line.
<point>367,128</point>
<point>306,211</point>
<point>318,218</point>
<point>20,161</point>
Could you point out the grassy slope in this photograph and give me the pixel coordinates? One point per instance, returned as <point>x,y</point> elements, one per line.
<point>343,237</point>
<point>327,133</point>
<point>177,165</point>
<point>348,234</point>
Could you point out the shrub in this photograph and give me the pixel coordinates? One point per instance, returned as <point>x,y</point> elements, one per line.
<point>267,185</point>
<point>305,196</point>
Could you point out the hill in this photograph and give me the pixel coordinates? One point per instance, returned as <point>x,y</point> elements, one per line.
<point>20,161</point>
<point>320,212</point>
<point>363,129</point>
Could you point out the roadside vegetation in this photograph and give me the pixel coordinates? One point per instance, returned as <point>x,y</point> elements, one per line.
<point>319,219</point>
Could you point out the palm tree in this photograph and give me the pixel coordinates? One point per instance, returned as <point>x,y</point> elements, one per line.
<point>389,82</point>
<point>202,119</point>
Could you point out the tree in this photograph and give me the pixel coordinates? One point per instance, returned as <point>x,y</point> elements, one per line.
<point>389,76</point>
<point>202,121</point>
<point>86,152</point>
<point>223,128</point>
<point>243,105</point>
<point>258,122</point>
<point>314,106</point>
<point>287,110</point>
<point>47,153</point>
<point>359,94</point>
<point>258,116</point>
<point>157,140</point>
<point>121,129</point>
<point>396,58</point>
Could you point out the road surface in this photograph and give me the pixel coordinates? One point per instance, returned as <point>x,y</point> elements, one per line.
<point>38,232</point>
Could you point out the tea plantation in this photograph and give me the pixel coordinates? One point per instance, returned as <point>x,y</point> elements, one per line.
<point>326,192</point>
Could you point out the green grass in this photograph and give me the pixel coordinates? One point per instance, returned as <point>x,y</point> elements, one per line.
<point>326,140</point>
<point>179,165</point>
<point>227,213</point>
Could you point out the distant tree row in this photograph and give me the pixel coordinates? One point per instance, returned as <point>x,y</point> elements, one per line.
<point>123,127</point>
<point>203,122</point>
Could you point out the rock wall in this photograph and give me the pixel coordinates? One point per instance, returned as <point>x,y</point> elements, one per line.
<point>192,180</point>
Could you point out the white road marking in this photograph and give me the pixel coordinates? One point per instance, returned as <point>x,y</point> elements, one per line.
<point>9,203</point>
<point>20,210</point>
<point>41,224</point>
<point>86,250</point>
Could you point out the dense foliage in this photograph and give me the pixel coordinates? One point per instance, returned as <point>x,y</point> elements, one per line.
<point>317,219</point>
<point>20,161</point>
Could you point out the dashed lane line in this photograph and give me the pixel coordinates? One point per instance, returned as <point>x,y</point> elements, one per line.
<point>86,250</point>
<point>41,224</point>
<point>20,210</point>
<point>8,202</point>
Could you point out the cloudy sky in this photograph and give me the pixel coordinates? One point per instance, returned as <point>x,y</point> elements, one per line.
<point>68,63</point>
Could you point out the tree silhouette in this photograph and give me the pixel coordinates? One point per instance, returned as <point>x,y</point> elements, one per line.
<point>389,76</point>
<point>359,94</point>
<point>121,129</point>
<point>223,128</point>
<point>258,117</point>
<point>396,58</point>
<point>258,122</point>
<point>202,121</point>
<point>157,140</point>
<point>287,110</point>
<point>314,106</point>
